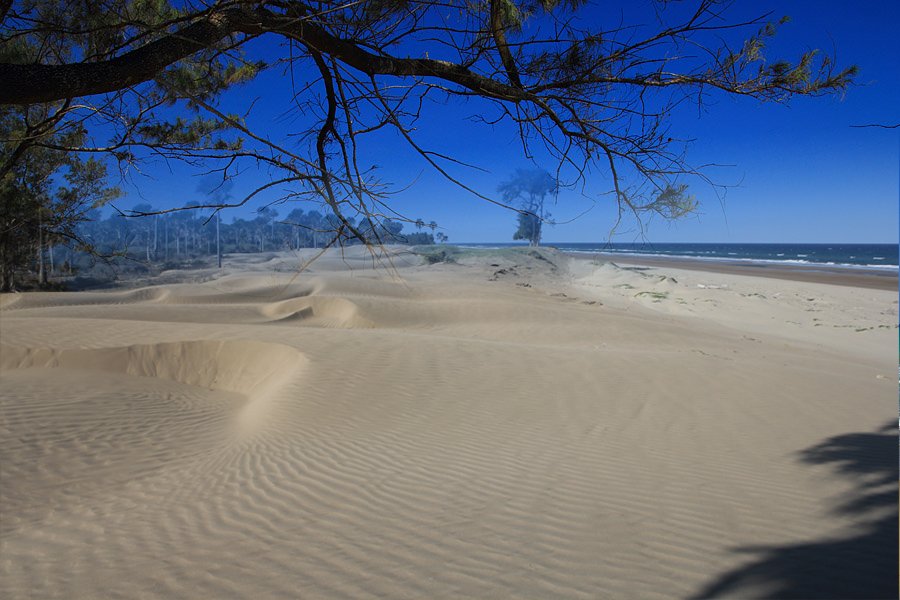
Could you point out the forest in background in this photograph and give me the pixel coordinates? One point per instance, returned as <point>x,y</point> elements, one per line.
<point>120,244</point>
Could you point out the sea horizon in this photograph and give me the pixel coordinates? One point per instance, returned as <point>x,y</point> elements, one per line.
<point>833,255</point>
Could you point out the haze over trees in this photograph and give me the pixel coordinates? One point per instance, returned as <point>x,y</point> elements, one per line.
<point>188,239</point>
<point>130,80</point>
<point>529,189</point>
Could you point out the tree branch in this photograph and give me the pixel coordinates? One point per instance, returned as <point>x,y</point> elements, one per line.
<point>31,83</point>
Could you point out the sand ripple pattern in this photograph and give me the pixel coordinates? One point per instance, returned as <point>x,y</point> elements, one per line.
<point>354,437</point>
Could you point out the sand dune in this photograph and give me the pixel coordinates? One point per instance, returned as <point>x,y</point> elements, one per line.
<point>237,366</point>
<point>509,426</point>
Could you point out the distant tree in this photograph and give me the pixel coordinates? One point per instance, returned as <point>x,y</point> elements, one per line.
<point>392,230</point>
<point>148,224</point>
<point>418,238</point>
<point>265,225</point>
<point>593,86</point>
<point>295,220</point>
<point>316,224</point>
<point>529,227</point>
<point>529,189</point>
<point>218,191</point>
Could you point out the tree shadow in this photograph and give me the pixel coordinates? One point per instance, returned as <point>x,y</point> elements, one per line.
<point>862,566</point>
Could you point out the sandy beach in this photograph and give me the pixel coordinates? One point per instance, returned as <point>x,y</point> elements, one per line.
<point>513,424</point>
<point>879,279</point>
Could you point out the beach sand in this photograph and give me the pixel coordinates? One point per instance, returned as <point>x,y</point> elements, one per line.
<point>511,425</point>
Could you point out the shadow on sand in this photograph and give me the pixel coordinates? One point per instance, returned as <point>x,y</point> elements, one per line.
<point>862,566</point>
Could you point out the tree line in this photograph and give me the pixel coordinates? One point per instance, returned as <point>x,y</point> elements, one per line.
<point>179,238</point>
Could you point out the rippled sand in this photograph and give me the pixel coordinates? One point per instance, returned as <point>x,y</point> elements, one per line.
<point>509,426</point>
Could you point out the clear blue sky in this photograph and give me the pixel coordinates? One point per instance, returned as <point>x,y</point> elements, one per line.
<point>800,173</point>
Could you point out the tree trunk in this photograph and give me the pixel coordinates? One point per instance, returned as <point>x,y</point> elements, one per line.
<point>42,272</point>
<point>6,278</point>
<point>218,244</point>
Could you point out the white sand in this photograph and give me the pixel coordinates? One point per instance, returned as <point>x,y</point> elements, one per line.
<point>447,431</point>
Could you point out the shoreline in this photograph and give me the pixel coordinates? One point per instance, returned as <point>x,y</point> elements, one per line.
<point>869,279</point>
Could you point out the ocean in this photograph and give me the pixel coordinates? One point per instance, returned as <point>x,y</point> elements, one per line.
<point>851,256</point>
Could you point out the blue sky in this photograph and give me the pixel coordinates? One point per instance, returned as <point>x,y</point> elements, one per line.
<point>796,173</point>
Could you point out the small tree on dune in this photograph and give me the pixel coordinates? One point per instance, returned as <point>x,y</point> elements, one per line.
<point>529,189</point>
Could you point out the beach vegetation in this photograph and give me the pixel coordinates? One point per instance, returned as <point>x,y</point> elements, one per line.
<point>655,296</point>
<point>438,254</point>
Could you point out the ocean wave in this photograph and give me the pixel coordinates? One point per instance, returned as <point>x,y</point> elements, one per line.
<point>786,261</point>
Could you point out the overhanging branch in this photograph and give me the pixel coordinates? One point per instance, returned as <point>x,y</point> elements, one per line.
<point>32,83</point>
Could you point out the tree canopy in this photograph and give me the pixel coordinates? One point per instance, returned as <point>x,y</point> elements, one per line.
<point>45,192</point>
<point>529,188</point>
<point>141,77</point>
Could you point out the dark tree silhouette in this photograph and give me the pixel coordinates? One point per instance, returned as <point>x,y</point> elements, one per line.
<point>44,194</point>
<point>861,566</point>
